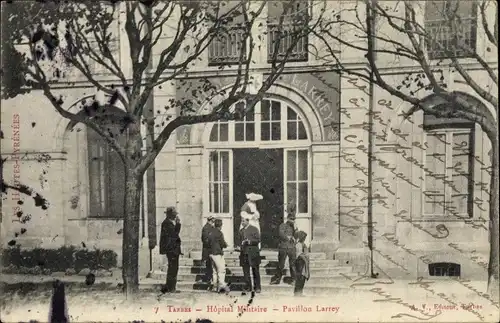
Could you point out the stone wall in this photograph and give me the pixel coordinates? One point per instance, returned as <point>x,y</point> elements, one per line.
<point>190,187</point>
<point>406,242</point>
<point>325,183</point>
<point>353,170</point>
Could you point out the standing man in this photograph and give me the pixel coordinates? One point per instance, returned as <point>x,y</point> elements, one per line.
<point>286,248</point>
<point>250,254</point>
<point>205,233</point>
<point>217,245</point>
<point>170,245</point>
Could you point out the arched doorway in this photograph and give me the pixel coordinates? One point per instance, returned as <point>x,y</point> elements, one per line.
<point>268,152</point>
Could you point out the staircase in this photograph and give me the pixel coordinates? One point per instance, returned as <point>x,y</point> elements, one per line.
<point>325,273</point>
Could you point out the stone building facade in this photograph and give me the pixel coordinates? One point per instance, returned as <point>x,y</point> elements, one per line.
<point>320,140</point>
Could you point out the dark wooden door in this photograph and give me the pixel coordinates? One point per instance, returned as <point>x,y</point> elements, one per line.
<point>259,171</point>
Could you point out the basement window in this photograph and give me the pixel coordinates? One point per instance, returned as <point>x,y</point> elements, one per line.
<point>444,269</point>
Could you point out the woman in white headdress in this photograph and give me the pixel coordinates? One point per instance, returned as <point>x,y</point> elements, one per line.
<point>249,210</point>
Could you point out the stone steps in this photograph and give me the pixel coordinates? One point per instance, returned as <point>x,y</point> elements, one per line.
<point>239,279</point>
<point>184,261</point>
<point>238,271</point>
<point>264,254</point>
<point>192,269</point>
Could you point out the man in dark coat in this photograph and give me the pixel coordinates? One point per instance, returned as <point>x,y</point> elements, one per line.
<point>286,248</point>
<point>205,234</point>
<point>250,254</point>
<point>170,245</point>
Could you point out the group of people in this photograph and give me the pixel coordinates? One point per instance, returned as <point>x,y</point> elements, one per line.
<point>213,255</point>
<point>292,245</point>
<point>214,243</point>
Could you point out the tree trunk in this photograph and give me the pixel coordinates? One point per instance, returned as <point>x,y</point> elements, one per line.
<point>130,244</point>
<point>493,288</point>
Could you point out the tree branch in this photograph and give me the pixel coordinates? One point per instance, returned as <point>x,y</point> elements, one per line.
<point>370,22</point>
<point>135,45</point>
<point>419,47</point>
<point>460,109</point>
<point>103,40</point>
<point>461,70</point>
<point>244,52</point>
<point>41,79</point>
<point>75,56</point>
<point>486,26</point>
<point>219,112</point>
<point>167,56</point>
<point>476,87</point>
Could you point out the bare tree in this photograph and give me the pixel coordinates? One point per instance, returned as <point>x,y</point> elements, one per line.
<point>59,39</point>
<point>411,40</point>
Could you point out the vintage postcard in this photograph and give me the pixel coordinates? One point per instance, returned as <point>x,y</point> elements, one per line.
<point>249,161</point>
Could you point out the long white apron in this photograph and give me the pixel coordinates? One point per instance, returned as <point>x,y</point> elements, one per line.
<point>253,214</point>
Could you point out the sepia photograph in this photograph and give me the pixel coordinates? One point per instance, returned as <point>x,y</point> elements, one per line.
<point>249,161</point>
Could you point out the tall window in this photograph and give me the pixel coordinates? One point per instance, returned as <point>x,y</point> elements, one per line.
<point>230,42</point>
<point>106,179</point>
<point>449,175</point>
<point>280,37</point>
<point>219,182</point>
<point>451,26</point>
<point>297,179</point>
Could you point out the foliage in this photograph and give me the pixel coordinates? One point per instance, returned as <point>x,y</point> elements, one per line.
<point>427,57</point>
<point>161,41</point>
<point>64,42</point>
<point>61,259</point>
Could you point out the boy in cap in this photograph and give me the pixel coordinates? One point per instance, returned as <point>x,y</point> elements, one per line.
<point>302,271</point>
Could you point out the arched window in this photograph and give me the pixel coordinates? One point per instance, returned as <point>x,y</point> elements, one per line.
<point>273,131</point>
<point>106,179</point>
<point>449,160</point>
<point>271,120</point>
